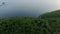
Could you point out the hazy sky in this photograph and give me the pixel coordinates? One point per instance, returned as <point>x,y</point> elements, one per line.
<point>28,6</point>
<point>32,4</point>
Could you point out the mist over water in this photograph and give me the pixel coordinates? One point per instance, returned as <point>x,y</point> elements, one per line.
<point>31,8</point>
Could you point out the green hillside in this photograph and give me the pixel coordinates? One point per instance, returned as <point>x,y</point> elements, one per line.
<point>48,23</point>
<point>53,14</point>
<point>21,25</point>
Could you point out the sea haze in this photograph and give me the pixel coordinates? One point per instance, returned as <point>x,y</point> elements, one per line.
<point>32,8</point>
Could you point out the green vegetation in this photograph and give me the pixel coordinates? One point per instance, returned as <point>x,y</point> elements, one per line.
<point>53,14</point>
<point>46,24</point>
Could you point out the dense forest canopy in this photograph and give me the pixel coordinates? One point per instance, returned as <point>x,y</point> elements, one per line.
<point>48,23</point>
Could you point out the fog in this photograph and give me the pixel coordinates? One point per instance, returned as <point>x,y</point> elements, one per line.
<point>32,8</point>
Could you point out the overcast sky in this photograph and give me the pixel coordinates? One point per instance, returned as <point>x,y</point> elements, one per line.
<point>28,6</point>
<point>40,4</point>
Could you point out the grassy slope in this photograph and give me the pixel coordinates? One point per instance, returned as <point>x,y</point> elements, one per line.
<point>29,25</point>
<point>54,14</point>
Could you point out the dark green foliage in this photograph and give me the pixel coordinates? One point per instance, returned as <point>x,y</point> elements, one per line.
<point>53,14</point>
<point>29,25</point>
<point>46,24</point>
